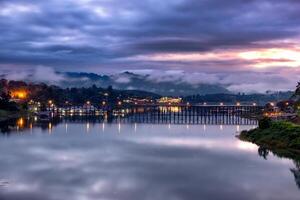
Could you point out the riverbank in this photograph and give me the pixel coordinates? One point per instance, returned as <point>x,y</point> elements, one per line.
<point>280,135</point>
<point>7,115</point>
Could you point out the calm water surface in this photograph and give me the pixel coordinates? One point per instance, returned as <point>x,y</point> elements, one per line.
<point>86,161</point>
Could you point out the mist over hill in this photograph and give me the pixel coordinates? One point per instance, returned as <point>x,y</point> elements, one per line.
<point>131,81</point>
<point>170,83</point>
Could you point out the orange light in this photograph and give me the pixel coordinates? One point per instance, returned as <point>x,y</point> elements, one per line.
<point>19,94</point>
<point>20,122</point>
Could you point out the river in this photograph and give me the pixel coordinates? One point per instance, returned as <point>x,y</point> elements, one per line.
<point>133,161</point>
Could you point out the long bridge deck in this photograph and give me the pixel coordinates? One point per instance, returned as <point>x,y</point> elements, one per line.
<point>193,114</point>
<point>162,110</point>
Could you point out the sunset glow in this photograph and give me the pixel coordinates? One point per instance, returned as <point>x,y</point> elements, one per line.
<point>273,57</point>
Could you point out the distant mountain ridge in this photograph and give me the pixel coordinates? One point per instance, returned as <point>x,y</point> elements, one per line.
<point>131,81</point>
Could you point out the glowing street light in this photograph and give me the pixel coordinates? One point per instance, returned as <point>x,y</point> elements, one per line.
<point>119,103</point>
<point>103,103</point>
<point>221,104</point>
<point>205,103</point>
<point>272,104</point>
<point>50,102</point>
<point>238,103</point>
<point>254,104</point>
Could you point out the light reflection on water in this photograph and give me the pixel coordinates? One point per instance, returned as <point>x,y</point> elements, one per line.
<point>139,161</point>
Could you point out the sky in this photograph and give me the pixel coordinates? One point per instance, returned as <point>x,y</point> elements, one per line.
<point>251,43</point>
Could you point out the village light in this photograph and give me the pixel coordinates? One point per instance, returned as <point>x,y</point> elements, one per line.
<point>103,103</point>
<point>254,104</point>
<point>88,102</point>
<point>119,103</point>
<point>50,102</point>
<point>272,104</point>
<point>19,94</point>
<point>221,104</point>
<point>238,103</point>
<point>188,103</point>
<point>205,103</point>
<point>287,103</point>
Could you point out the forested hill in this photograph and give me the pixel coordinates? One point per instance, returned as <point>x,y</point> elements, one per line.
<point>42,93</point>
<point>260,99</point>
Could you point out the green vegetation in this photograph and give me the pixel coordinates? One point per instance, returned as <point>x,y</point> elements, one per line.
<point>274,135</point>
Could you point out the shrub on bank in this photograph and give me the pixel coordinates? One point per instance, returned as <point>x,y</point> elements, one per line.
<point>264,123</point>
<point>280,134</point>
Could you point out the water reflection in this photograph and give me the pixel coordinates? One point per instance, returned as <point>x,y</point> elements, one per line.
<point>20,123</point>
<point>66,127</point>
<point>23,124</point>
<point>181,162</point>
<point>296,172</point>
<point>87,127</point>
<point>50,127</point>
<point>103,127</point>
<point>295,157</point>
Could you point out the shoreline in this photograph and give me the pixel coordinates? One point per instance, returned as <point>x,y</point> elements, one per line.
<point>278,136</point>
<point>8,115</point>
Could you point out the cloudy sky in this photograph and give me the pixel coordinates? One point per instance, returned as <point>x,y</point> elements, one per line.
<point>252,43</point>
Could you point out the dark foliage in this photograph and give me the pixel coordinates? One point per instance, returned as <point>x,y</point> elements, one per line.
<point>282,135</point>
<point>264,123</point>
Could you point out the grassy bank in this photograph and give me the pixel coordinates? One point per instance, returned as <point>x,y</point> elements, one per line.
<point>274,135</point>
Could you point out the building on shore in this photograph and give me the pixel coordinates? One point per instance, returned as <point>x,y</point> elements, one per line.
<point>169,100</point>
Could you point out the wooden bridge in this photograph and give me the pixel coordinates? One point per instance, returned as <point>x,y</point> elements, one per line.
<point>212,114</point>
<point>163,109</point>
